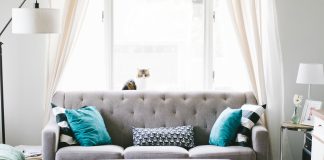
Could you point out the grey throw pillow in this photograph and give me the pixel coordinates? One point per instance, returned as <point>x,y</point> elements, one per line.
<point>182,136</point>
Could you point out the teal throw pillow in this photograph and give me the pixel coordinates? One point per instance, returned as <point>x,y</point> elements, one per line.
<point>225,128</point>
<point>88,126</point>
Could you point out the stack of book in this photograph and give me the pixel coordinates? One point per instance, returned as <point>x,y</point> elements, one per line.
<point>31,152</point>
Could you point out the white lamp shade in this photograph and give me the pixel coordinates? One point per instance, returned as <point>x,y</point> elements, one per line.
<point>310,74</point>
<point>35,20</point>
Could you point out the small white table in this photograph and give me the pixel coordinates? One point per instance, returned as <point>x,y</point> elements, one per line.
<point>318,135</point>
<point>292,127</point>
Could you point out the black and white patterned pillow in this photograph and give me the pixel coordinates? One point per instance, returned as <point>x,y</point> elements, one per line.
<point>66,135</point>
<point>182,136</point>
<point>250,116</point>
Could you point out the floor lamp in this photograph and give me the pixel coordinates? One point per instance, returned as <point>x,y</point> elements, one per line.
<point>27,21</point>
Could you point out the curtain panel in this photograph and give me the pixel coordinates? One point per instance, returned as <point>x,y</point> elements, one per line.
<point>257,30</point>
<point>247,23</point>
<point>60,46</point>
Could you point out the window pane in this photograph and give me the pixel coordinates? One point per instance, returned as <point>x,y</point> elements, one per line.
<point>229,67</point>
<point>164,36</point>
<point>87,65</point>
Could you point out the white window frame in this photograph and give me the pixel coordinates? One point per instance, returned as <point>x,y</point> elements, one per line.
<point>208,42</point>
<point>109,30</point>
<point>208,45</point>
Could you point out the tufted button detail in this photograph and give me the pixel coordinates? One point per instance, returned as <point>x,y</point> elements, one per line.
<point>225,97</point>
<point>184,97</point>
<point>215,112</point>
<point>163,97</point>
<point>102,98</point>
<point>205,98</point>
<point>153,112</point>
<point>122,98</point>
<point>132,112</point>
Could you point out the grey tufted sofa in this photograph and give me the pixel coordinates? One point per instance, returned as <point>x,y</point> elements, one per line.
<point>123,109</point>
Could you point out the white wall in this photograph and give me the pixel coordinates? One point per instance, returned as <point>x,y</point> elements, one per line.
<point>24,66</point>
<point>301,27</point>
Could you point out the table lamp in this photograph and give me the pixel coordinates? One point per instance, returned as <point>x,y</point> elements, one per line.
<point>310,74</point>
<point>28,21</point>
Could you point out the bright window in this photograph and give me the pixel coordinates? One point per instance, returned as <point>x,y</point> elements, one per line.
<point>167,37</point>
<point>229,68</point>
<point>87,65</point>
<point>164,36</point>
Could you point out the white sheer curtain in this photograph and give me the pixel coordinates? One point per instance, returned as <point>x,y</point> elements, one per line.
<point>247,21</point>
<point>273,69</point>
<point>256,25</point>
<point>60,46</point>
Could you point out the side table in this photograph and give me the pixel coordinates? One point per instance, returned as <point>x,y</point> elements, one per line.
<point>292,127</point>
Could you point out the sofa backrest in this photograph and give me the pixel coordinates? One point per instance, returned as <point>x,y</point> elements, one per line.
<point>122,110</point>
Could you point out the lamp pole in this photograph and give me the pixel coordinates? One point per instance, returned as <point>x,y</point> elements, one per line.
<point>2,101</point>
<point>1,81</point>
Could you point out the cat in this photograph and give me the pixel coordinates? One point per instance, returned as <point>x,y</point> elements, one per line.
<point>129,85</point>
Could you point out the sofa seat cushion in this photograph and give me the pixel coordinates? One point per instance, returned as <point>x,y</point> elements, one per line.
<point>87,153</point>
<point>214,152</point>
<point>155,152</point>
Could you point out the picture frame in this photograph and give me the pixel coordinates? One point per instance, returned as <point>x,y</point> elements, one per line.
<point>307,116</point>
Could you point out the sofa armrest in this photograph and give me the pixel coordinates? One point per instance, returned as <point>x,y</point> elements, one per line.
<point>50,136</point>
<point>260,142</point>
